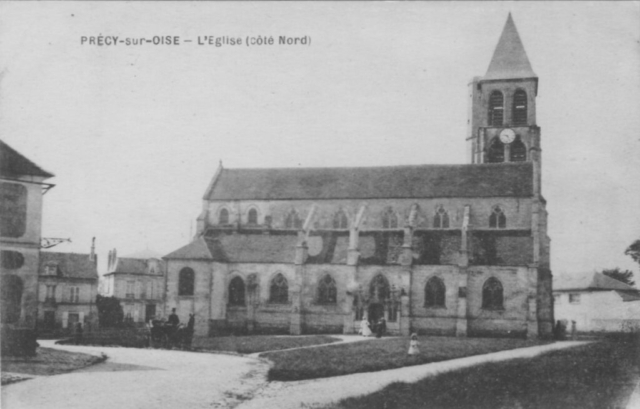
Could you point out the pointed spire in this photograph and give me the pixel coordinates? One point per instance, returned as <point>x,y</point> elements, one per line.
<point>509,59</point>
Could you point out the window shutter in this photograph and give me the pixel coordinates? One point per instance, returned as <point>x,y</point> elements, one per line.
<point>65,319</point>
<point>82,317</point>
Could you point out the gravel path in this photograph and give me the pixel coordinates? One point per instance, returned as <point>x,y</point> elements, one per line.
<point>320,392</point>
<point>142,379</point>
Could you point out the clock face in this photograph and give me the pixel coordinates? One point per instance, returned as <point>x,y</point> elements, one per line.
<point>507,135</point>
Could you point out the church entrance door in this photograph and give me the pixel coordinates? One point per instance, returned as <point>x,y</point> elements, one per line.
<point>375,312</point>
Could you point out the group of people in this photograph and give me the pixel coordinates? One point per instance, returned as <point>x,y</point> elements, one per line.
<point>369,328</point>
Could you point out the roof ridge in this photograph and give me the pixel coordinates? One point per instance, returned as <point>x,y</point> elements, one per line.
<point>527,163</point>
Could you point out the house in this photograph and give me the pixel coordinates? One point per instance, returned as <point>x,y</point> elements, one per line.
<point>138,282</point>
<point>436,249</point>
<point>22,187</point>
<point>596,302</point>
<point>68,289</point>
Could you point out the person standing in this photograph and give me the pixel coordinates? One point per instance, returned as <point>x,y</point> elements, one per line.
<point>381,327</point>
<point>364,327</point>
<point>413,345</point>
<point>174,321</point>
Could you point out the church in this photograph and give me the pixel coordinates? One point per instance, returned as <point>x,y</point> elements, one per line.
<point>457,250</point>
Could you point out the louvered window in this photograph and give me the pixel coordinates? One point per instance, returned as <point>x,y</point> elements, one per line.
<point>518,151</point>
<point>519,108</point>
<point>496,151</point>
<point>496,108</point>
<point>340,220</point>
<point>252,217</point>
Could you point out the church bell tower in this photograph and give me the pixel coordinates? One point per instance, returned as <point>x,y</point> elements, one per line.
<point>502,119</point>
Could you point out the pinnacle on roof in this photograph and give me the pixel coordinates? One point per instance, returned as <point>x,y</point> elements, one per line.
<point>509,58</point>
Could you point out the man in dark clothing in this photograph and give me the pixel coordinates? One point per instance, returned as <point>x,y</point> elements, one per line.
<point>381,328</point>
<point>78,333</point>
<point>173,318</point>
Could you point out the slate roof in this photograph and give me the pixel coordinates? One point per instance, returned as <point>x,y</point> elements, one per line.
<point>127,265</point>
<point>590,281</point>
<point>509,58</point>
<point>13,164</point>
<point>420,181</point>
<point>70,264</point>
<point>240,248</point>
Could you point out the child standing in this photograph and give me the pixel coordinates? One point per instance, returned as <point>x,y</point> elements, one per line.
<point>413,345</point>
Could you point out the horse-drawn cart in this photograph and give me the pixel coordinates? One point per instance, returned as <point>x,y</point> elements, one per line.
<point>168,336</point>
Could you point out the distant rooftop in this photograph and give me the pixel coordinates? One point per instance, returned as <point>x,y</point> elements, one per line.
<point>589,281</point>
<point>71,265</point>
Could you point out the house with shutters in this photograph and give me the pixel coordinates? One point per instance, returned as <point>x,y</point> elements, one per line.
<point>67,295</point>
<point>138,282</point>
<point>22,188</point>
<point>456,249</point>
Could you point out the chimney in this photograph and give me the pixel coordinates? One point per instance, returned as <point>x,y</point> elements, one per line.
<point>93,252</point>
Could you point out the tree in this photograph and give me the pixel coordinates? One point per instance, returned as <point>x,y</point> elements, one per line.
<point>624,276</point>
<point>110,313</point>
<point>633,251</point>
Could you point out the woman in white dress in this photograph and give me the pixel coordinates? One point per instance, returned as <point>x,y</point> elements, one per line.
<point>413,345</point>
<point>364,327</point>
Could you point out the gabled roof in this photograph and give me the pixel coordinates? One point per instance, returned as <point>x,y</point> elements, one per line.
<point>12,164</point>
<point>589,281</point>
<point>422,181</point>
<point>71,265</point>
<point>509,58</point>
<point>240,248</point>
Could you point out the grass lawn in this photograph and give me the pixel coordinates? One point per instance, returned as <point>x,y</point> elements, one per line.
<point>48,362</point>
<point>378,355</point>
<point>258,343</point>
<point>601,375</point>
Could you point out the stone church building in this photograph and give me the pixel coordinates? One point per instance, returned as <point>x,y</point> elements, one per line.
<point>436,249</point>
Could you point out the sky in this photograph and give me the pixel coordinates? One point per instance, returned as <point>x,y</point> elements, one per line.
<point>135,133</point>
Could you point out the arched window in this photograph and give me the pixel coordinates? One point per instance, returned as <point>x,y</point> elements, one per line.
<point>496,108</point>
<point>293,221</point>
<point>434,293</point>
<point>496,151</point>
<point>379,289</point>
<point>389,220</point>
<point>340,220</point>
<point>327,292</point>
<point>441,219</point>
<point>236,291</point>
<point>223,216</point>
<point>518,151</point>
<point>492,294</point>
<point>11,298</point>
<point>252,217</point>
<point>519,113</point>
<point>279,291</point>
<point>497,220</point>
<point>185,281</point>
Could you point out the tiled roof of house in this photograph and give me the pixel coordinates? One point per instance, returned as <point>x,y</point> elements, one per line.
<point>423,181</point>
<point>70,264</point>
<point>509,58</point>
<point>589,281</point>
<point>240,248</point>
<point>14,164</point>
